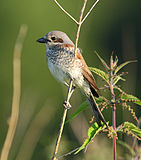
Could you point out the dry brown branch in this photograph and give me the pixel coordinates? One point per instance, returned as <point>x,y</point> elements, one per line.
<point>16,92</point>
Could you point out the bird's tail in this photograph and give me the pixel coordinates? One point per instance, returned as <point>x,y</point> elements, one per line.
<point>96,111</point>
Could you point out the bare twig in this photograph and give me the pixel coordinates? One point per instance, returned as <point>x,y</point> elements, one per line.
<point>70,86</point>
<point>80,19</point>
<point>66,12</point>
<point>79,26</point>
<point>63,121</point>
<point>89,11</point>
<point>16,92</point>
<point>69,153</point>
<point>71,82</point>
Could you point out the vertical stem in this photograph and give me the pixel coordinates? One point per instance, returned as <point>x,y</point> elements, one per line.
<point>79,26</point>
<point>114,127</point>
<point>60,134</point>
<point>16,93</point>
<point>114,107</point>
<point>71,81</point>
<point>62,122</point>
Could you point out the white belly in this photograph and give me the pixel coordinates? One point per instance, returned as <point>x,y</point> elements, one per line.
<point>64,76</point>
<point>58,73</point>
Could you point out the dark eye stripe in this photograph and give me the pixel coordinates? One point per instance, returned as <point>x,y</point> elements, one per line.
<point>59,40</point>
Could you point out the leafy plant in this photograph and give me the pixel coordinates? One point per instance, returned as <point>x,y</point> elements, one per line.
<point>111,77</point>
<point>92,132</point>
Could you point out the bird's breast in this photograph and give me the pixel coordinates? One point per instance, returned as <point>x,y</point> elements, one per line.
<point>63,66</point>
<point>57,72</point>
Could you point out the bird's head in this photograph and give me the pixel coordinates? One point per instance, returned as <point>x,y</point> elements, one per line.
<point>55,39</point>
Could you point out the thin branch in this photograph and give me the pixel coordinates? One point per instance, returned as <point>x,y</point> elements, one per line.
<point>113,105</point>
<point>90,11</point>
<point>79,27</point>
<point>63,121</point>
<point>66,12</point>
<point>16,92</point>
<point>80,19</point>
<point>71,82</point>
<point>59,134</point>
<point>69,153</point>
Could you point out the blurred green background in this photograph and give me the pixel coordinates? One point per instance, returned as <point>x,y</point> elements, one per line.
<point>112,26</point>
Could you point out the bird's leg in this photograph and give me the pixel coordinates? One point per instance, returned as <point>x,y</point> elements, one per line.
<point>71,89</point>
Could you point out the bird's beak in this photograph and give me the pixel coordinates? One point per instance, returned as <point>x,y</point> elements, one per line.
<point>41,40</point>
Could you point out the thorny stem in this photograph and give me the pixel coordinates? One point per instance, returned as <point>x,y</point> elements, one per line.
<point>113,106</point>
<point>63,121</point>
<point>114,127</point>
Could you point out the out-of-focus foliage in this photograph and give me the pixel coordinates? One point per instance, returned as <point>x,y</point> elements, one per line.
<point>112,26</point>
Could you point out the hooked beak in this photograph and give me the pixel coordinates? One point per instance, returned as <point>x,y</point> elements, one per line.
<point>42,40</point>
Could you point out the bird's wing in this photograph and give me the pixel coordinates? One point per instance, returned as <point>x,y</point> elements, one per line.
<point>87,74</point>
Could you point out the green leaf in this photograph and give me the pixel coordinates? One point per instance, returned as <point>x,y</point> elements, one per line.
<point>129,148</point>
<point>100,73</point>
<point>117,78</point>
<point>103,62</point>
<point>92,132</point>
<point>131,98</point>
<point>81,108</point>
<point>131,127</point>
<point>100,99</point>
<point>122,65</point>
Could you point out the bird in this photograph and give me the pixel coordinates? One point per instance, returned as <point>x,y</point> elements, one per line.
<point>65,65</point>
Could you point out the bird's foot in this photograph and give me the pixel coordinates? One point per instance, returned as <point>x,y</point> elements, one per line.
<point>67,105</point>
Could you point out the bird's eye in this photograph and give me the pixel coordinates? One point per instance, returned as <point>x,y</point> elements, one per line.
<point>53,38</point>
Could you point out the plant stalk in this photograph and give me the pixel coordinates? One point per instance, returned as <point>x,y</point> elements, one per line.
<point>114,127</point>
<point>16,93</point>
<point>113,106</point>
<point>62,122</point>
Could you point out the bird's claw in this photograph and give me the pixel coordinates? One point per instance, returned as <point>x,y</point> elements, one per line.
<point>66,105</point>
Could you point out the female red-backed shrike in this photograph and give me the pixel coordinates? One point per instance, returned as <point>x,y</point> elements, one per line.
<point>64,65</point>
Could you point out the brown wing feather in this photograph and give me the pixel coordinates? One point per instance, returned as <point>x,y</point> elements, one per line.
<point>87,73</point>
